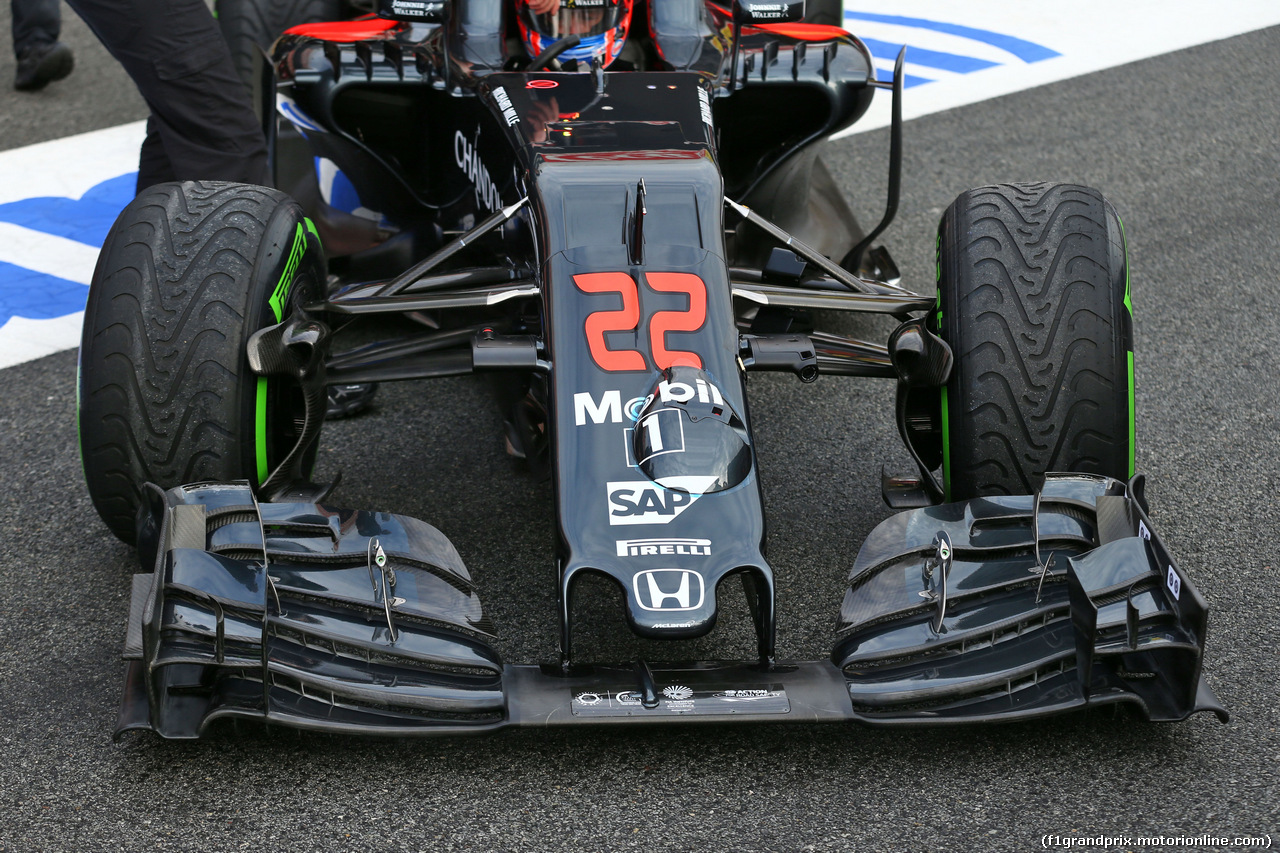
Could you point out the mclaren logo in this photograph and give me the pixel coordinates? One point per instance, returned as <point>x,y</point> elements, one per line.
<point>669,589</point>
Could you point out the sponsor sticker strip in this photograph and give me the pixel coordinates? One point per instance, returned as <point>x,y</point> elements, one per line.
<point>678,699</point>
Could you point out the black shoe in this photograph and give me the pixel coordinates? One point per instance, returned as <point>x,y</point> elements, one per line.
<point>40,66</point>
<point>347,400</point>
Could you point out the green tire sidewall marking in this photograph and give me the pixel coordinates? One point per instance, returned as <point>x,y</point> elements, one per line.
<point>279,296</point>
<point>311,229</point>
<point>261,431</point>
<point>1133,407</point>
<point>1133,468</point>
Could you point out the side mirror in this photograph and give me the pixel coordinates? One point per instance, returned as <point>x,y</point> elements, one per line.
<point>751,12</point>
<point>413,11</point>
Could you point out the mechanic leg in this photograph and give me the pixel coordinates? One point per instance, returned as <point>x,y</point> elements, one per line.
<point>200,111</point>
<point>41,57</point>
<point>153,163</point>
<point>36,23</point>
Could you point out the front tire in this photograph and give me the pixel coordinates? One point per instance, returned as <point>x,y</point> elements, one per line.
<point>187,274</point>
<point>1034,301</point>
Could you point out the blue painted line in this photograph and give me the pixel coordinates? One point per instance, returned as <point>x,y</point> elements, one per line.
<point>885,75</point>
<point>85,220</point>
<point>1025,50</point>
<point>931,58</point>
<point>37,296</point>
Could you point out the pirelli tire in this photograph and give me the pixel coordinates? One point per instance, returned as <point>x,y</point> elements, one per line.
<point>187,274</point>
<point>1033,297</point>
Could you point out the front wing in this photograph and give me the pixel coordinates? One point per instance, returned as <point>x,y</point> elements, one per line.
<point>992,609</point>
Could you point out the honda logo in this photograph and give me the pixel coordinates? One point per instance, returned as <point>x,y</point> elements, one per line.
<point>669,589</point>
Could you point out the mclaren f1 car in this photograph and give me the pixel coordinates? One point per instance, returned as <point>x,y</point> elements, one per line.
<point>621,208</point>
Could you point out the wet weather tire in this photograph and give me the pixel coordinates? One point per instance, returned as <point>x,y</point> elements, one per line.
<point>1033,291</point>
<point>188,272</point>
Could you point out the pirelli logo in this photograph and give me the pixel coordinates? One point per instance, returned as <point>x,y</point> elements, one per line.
<point>663,547</point>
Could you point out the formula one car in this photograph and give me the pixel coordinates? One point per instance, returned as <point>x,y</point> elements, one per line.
<point>625,212</point>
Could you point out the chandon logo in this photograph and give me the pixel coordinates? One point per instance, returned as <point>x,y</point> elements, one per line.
<point>467,156</point>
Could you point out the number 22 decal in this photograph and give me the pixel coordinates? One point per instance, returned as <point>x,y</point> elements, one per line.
<point>598,323</point>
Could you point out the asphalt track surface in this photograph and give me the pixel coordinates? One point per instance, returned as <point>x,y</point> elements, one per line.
<point>1185,145</point>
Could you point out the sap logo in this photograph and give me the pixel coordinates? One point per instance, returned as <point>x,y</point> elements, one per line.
<point>635,502</point>
<point>467,156</point>
<point>609,408</point>
<point>663,547</point>
<point>669,589</point>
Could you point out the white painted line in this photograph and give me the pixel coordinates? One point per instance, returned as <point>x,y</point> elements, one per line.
<point>24,340</point>
<point>1088,35</point>
<point>47,253</point>
<point>68,167</point>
